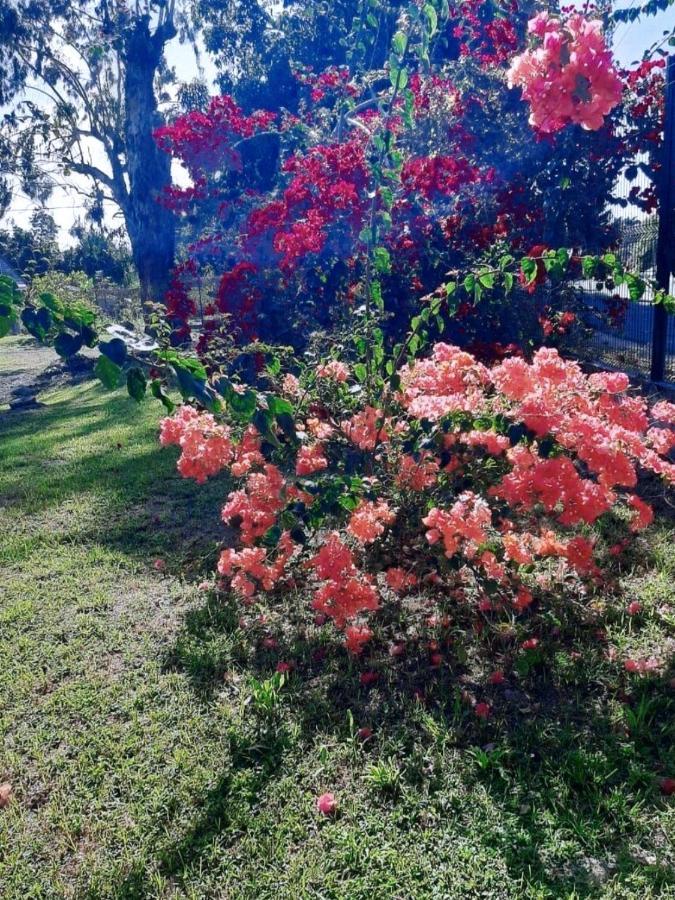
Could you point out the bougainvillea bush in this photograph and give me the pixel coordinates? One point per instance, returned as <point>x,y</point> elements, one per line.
<point>403,457</point>
<point>505,138</point>
<point>466,488</point>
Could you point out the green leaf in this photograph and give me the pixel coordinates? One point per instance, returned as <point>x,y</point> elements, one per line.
<point>528,267</point>
<point>9,289</point>
<point>487,280</point>
<point>108,372</point>
<point>398,78</point>
<point>243,404</point>
<point>387,196</point>
<point>76,316</point>
<point>36,322</point>
<point>115,350</point>
<point>51,302</point>
<point>136,383</point>
<point>589,266</point>
<point>89,336</point>
<point>348,502</point>
<point>274,366</point>
<point>278,405</point>
<point>67,345</point>
<point>636,287</point>
<point>263,420</point>
<point>191,386</point>
<point>157,391</point>
<point>469,283</point>
<point>188,363</point>
<point>398,43</point>
<point>360,372</point>
<point>283,412</point>
<point>409,111</point>
<point>272,537</point>
<point>432,18</point>
<point>381,259</point>
<point>286,422</point>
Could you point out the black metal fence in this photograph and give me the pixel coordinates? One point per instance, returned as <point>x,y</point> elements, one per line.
<point>619,333</point>
<point>623,334</point>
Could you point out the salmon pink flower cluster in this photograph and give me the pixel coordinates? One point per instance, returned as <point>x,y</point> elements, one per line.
<point>310,459</point>
<point>417,474</point>
<point>463,527</point>
<point>205,445</point>
<point>369,520</point>
<point>255,509</point>
<point>251,569</point>
<point>345,593</point>
<point>399,580</point>
<point>450,381</point>
<point>334,370</point>
<point>569,76</point>
<point>366,428</point>
<point>470,478</point>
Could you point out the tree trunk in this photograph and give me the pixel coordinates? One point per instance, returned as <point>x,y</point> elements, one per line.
<point>150,226</point>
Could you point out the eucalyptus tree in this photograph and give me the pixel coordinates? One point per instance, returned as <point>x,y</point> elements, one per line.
<point>82,82</point>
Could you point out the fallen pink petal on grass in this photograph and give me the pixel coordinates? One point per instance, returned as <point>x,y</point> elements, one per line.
<point>6,792</point>
<point>326,804</point>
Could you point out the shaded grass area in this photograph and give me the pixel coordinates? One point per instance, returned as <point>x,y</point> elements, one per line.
<point>153,753</point>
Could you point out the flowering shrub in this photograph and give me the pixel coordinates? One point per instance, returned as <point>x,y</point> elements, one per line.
<point>569,76</point>
<point>480,481</point>
<point>373,195</point>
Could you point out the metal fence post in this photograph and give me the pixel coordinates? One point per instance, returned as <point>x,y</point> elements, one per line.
<point>665,248</point>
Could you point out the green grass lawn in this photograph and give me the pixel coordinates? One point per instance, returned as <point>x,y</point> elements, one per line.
<point>152,753</point>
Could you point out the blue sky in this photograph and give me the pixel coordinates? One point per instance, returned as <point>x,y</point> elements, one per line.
<point>631,40</point>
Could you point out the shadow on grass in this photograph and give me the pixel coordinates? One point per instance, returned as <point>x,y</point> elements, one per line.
<point>573,741</point>
<point>141,507</point>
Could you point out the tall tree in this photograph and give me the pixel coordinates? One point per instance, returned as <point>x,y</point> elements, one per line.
<point>82,80</point>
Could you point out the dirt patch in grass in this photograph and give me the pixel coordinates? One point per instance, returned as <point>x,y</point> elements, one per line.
<point>27,369</point>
